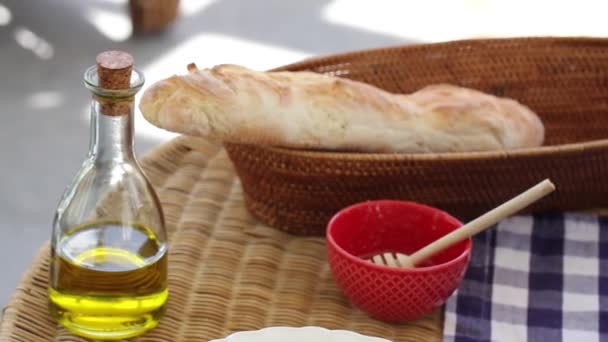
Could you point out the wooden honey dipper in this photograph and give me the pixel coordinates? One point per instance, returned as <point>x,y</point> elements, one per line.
<point>477,225</point>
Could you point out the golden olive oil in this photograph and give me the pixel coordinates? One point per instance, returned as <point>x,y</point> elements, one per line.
<point>108,281</point>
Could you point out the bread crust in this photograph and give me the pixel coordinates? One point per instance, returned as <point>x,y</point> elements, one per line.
<point>312,111</point>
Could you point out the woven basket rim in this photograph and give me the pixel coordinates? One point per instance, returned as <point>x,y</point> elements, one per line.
<point>416,46</point>
<point>522,152</point>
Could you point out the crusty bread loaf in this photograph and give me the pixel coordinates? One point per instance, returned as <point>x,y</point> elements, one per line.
<point>310,110</point>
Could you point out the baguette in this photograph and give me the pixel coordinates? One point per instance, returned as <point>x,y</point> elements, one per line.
<point>313,111</point>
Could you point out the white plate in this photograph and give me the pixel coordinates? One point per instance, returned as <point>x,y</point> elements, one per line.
<point>305,334</point>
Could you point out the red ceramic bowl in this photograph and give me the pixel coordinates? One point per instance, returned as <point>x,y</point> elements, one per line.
<point>394,294</point>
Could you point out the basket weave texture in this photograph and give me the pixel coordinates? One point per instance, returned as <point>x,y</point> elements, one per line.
<point>564,80</point>
<point>227,271</point>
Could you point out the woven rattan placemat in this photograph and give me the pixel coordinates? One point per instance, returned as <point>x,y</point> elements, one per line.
<point>227,272</point>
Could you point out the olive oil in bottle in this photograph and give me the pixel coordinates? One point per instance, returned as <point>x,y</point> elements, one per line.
<point>100,279</point>
<point>108,271</point>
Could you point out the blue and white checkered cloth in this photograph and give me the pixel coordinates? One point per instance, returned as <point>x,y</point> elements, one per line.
<point>534,278</point>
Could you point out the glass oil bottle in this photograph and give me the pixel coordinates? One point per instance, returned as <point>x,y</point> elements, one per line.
<point>108,271</point>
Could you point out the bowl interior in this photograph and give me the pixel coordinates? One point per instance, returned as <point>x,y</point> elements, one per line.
<point>373,227</point>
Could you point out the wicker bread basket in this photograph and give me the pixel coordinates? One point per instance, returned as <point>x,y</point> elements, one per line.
<point>564,80</point>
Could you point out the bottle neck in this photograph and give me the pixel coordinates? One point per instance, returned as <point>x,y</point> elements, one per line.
<point>111,134</point>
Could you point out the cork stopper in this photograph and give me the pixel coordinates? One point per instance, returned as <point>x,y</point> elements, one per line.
<point>114,72</point>
<point>114,69</point>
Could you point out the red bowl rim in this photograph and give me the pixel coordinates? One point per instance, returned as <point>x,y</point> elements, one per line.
<point>434,268</point>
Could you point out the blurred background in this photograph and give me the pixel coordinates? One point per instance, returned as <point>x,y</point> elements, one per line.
<point>45,47</point>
